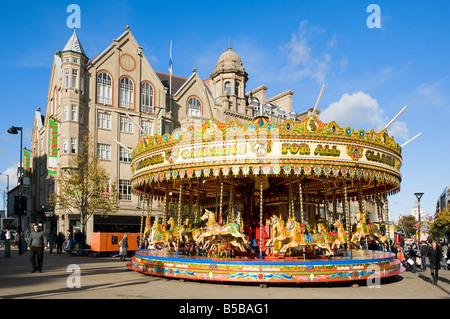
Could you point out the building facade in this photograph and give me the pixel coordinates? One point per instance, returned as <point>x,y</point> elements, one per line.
<point>443,201</point>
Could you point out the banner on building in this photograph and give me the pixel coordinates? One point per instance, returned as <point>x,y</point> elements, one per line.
<point>52,148</point>
<point>26,182</point>
<point>159,123</point>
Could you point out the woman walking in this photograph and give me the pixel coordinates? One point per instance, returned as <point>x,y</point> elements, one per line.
<point>435,256</point>
<point>123,247</point>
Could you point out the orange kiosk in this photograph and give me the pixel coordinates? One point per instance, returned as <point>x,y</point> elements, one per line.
<point>109,242</point>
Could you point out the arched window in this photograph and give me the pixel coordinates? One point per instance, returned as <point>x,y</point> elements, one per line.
<point>104,89</point>
<point>126,93</point>
<point>147,98</point>
<point>194,107</point>
<point>228,88</point>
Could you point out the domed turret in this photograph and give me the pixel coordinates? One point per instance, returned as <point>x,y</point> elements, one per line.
<point>228,81</point>
<point>229,60</point>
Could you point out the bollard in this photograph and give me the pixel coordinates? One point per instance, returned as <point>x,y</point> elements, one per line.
<point>7,249</point>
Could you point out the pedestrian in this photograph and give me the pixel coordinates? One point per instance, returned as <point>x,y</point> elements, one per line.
<point>2,238</point>
<point>36,246</point>
<point>435,256</point>
<point>423,254</point>
<point>51,241</point>
<point>123,247</point>
<point>59,243</point>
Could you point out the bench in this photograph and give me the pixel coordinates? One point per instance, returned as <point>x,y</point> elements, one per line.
<point>78,252</point>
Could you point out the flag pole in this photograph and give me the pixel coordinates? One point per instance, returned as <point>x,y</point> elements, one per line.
<point>170,81</point>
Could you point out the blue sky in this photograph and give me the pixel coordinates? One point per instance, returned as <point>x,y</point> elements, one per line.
<point>370,73</point>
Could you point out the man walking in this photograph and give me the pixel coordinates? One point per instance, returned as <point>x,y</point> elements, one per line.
<point>36,246</point>
<point>423,254</point>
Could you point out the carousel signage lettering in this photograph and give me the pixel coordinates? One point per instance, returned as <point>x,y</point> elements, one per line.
<point>380,158</point>
<point>326,150</point>
<point>153,160</point>
<point>295,148</point>
<point>214,151</point>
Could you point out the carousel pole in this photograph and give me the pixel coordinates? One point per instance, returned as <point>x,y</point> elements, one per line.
<point>231,203</point>
<point>260,218</point>
<point>346,210</point>
<point>221,201</point>
<point>362,205</point>
<point>291,199</point>
<point>301,201</point>
<point>334,206</point>
<point>179,215</point>
<point>386,204</point>
<point>166,205</point>
<point>327,213</point>
<point>141,235</point>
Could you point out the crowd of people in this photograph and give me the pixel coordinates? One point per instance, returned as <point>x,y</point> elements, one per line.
<point>414,257</point>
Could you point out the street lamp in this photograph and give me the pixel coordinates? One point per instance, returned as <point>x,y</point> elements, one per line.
<point>419,196</point>
<point>14,130</point>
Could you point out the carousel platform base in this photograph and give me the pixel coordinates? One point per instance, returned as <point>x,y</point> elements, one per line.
<point>360,265</point>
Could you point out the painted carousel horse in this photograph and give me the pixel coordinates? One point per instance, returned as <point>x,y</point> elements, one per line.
<point>340,236</point>
<point>278,234</point>
<point>215,229</point>
<point>298,239</point>
<point>363,230</point>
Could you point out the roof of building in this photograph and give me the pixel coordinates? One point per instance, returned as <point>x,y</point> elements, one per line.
<point>74,45</point>
<point>177,81</point>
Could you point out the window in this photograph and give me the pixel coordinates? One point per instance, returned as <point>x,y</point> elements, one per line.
<point>126,93</point>
<point>166,128</point>
<point>147,126</point>
<point>66,78</point>
<point>104,151</point>
<point>55,103</point>
<point>236,88</point>
<point>75,60</point>
<point>103,120</point>
<point>147,98</point>
<point>65,145</point>
<point>73,113</point>
<point>124,190</point>
<point>73,145</point>
<point>126,125</point>
<point>82,84</point>
<point>194,107</point>
<point>124,155</point>
<point>74,79</point>
<point>228,88</point>
<point>104,89</point>
<point>66,112</point>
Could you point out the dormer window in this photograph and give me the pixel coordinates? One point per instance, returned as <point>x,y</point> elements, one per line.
<point>194,107</point>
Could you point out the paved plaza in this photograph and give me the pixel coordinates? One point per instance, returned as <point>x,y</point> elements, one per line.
<point>109,278</point>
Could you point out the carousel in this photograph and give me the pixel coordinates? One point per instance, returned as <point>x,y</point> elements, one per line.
<point>264,202</point>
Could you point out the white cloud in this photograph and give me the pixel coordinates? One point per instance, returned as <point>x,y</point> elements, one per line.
<point>12,173</point>
<point>302,62</point>
<point>399,130</point>
<point>358,110</point>
<point>432,93</point>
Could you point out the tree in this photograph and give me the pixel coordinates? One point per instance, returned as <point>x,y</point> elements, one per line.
<point>440,227</point>
<point>406,225</point>
<point>86,187</point>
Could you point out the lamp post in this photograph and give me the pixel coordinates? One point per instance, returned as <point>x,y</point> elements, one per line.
<point>7,191</point>
<point>418,196</point>
<point>14,130</point>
